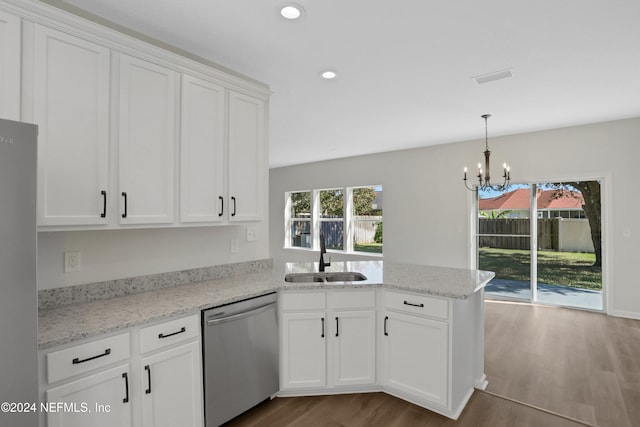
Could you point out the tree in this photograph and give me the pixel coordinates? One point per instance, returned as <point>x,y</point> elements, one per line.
<point>494,214</point>
<point>592,208</point>
<point>363,201</point>
<point>301,204</point>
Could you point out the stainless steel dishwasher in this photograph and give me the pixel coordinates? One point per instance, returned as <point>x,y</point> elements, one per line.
<point>240,357</point>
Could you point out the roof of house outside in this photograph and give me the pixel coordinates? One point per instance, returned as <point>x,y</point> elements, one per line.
<point>547,199</point>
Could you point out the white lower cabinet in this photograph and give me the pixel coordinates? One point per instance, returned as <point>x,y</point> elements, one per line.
<point>172,385</point>
<point>97,400</point>
<point>304,354</point>
<point>425,349</point>
<point>354,348</point>
<point>327,339</point>
<point>415,356</point>
<point>149,377</point>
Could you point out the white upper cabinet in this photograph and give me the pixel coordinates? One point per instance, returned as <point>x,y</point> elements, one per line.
<point>9,66</point>
<point>130,135</point>
<point>71,108</point>
<point>146,145</point>
<point>202,152</point>
<point>247,166</point>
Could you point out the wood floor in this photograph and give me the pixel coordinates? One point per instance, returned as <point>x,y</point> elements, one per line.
<point>581,364</point>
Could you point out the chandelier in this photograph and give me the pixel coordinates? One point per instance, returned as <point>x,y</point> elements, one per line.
<point>484,179</point>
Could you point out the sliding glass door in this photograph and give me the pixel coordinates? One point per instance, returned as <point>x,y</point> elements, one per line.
<point>544,243</point>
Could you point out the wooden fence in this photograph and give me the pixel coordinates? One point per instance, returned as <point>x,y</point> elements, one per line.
<point>548,233</point>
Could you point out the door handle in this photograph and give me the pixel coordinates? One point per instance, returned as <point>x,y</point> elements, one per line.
<point>77,361</point>
<point>322,320</point>
<point>386,319</point>
<point>148,369</point>
<point>124,194</point>
<point>163,335</point>
<point>126,387</point>
<point>104,204</point>
<point>221,205</point>
<point>233,199</point>
<point>414,304</point>
<point>337,327</point>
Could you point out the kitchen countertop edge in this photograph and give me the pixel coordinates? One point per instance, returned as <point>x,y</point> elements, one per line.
<point>61,325</point>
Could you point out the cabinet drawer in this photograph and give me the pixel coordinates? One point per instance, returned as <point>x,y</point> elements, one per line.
<point>168,333</point>
<point>351,299</point>
<point>417,304</point>
<point>86,357</point>
<point>302,301</point>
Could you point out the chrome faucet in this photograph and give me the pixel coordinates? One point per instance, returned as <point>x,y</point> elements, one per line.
<point>323,250</point>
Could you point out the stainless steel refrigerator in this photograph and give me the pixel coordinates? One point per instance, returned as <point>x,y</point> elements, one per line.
<point>18,267</point>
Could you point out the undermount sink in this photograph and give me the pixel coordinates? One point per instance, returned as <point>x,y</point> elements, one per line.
<point>303,278</point>
<point>347,276</point>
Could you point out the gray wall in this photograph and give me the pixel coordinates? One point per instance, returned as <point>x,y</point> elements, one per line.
<point>428,212</point>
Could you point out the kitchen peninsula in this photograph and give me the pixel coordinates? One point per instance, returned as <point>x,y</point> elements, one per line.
<point>413,331</point>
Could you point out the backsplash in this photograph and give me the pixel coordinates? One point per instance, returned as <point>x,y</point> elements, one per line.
<point>56,297</point>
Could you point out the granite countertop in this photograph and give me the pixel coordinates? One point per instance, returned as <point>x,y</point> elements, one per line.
<point>65,324</point>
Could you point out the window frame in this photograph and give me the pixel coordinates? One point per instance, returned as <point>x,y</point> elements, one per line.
<point>316,221</point>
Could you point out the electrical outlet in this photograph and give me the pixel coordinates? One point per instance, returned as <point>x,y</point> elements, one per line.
<point>71,261</point>
<point>252,234</point>
<point>235,246</point>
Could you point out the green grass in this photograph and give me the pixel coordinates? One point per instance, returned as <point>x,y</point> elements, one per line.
<point>368,247</point>
<point>555,268</point>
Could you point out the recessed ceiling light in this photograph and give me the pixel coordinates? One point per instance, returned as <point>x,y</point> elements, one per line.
<point>291,11</point>
<point>329,75</point>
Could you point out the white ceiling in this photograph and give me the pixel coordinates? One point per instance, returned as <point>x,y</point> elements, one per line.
<point>405,66</point>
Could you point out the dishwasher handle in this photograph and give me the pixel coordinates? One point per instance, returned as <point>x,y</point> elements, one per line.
<point>242,315</point>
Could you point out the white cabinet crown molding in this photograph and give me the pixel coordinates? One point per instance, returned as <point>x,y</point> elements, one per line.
<point>72,20</point>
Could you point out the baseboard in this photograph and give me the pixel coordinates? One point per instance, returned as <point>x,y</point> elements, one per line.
<point>481,383</point>
<point>462,405</point>
<point>329,391</point>
<point>626,314</point>
<point>442,410</point>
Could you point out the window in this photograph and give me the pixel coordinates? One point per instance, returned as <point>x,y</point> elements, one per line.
<point>332,218</point>
<point>299,223</point>
<point>367,219</point>
<point>349,218</point>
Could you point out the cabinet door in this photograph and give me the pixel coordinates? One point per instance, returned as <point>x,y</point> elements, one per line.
<point>202,153</point>
<point>98,400</point>
<point>354,348</point>
<point>172,388</point>
<point>415,352</point>
<point>247,162</point>
<point>146,142</point>
<point>71,108</point>
<point>304,360</point>
<point>9,66</point>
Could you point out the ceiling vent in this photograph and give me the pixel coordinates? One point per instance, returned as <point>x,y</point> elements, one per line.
<point>491,77</point>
